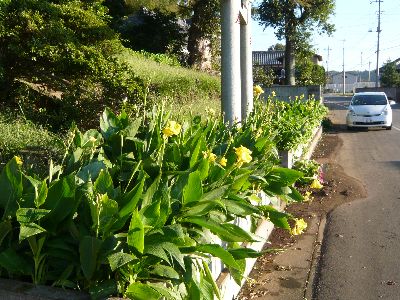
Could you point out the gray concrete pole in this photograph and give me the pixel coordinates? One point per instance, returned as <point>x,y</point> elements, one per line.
<point>230,61</point>
<point>246,63</point>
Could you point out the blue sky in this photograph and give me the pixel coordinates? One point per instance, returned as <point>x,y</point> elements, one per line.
<point>353,20</point>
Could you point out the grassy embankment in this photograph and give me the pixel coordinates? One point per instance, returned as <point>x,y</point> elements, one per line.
<point>183,90</point>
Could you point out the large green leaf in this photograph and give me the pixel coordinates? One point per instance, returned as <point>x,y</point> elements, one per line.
<point>61,202</point>
<point>221,253</point>
<point>239,206</point>
<point>166,292</point>
<point>11,187</point>
<point>119,259</point>
<point>89,248</point>
<point>90,171</point>
<point>196,151</point>
<point>202,208</point>
<point>102,290</point>
<point>216,193</point>
<point>104,183</point>
<point>108,214</point>
<point>208,286</point>
<point>148,196</point>
<point>109,123</point>
<point>279,219</point>
<point>35,192</point>
<point>284,176</point>
<point>165,251</point>
<point>29,229</point>
<point>193,189</point>
<point>135,237</point>
<point>14,263</point>
<point>226,231</point>
<point>5,228</point>
<point>164,271</point>
<point>140,291</point>
<point>28,215</point>
<point>242,253</point>
<point>131,199</point>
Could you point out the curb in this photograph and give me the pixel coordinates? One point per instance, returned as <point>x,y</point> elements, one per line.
<point>316,253</point>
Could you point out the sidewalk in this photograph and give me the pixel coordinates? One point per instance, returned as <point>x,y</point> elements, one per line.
<point>290,274</point>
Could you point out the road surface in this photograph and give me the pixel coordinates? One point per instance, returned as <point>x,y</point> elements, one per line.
<point>361,246</point>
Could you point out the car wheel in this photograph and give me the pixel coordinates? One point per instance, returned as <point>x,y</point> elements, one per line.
<point>389,127</point>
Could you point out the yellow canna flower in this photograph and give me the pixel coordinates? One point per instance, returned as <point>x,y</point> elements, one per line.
<point>223,161</point>
<point>257,90</point>
<point>298,227</point>
<point>18,160</point>
<point>243,155</point>
<point>307,196</point>
<point>316,184</point>
<point>273,94</point>
<point>209,155</point>
<point>172,128</point>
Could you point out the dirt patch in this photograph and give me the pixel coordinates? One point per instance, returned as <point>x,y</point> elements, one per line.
<point>338,188</point>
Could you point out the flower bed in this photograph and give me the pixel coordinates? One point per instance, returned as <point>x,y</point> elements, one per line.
<point>134,209</point>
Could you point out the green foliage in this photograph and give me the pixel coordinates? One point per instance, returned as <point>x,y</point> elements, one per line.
<point>157,32</point>
<point>262,76</point>
<point>138,201</point>
<point>294,21</point>
<point>309,73</point>
<point>291,124</point>
<point>311,169</point>
<point>65,50</point>
<point>390,76</point>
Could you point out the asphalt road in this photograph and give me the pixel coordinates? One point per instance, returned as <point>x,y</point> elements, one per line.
<point>361,246</point>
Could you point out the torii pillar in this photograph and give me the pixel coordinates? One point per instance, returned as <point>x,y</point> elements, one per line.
<point>236,60</point>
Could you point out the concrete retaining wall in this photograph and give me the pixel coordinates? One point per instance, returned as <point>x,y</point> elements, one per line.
<point>286,92</point>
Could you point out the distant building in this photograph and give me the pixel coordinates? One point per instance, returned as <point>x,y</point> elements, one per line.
<point>275,60</point>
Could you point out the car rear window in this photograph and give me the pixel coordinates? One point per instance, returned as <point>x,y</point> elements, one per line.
<point>369,100</point>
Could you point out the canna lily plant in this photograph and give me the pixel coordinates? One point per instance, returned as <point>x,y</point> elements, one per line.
<point>134,208</point>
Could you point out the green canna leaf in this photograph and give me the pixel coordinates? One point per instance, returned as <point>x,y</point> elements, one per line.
<point>15,263</point>
<point>140,291</point>
<point>165,271</point>
<point>135,237</point>
<point>11,187</point>
<point>226,231</point>
<point>29,229</point>
<point>193,190</point>
<point>217,251</point>
<point>89,248</point>
<point>119,259</point>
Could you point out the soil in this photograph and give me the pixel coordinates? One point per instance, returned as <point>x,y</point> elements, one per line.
<point>338,189</point>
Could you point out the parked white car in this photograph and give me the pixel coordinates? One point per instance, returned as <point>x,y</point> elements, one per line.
<point>370,109</point>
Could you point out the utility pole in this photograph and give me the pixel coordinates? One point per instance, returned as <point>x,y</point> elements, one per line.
<point>361,68</point>
<point>378,30</point>
<point>369,71</point>
<point>327,60</point>
<point>344,73</point>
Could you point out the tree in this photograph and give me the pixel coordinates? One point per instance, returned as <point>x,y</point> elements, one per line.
<point>68,47</point>
<point>293,21</point>
<point>205,26</point>
<point>390,77</point>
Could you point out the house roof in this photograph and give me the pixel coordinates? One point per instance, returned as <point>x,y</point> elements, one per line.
<point>268,58</point>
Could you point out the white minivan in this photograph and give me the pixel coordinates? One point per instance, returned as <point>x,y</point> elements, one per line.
<point>370,109</point>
